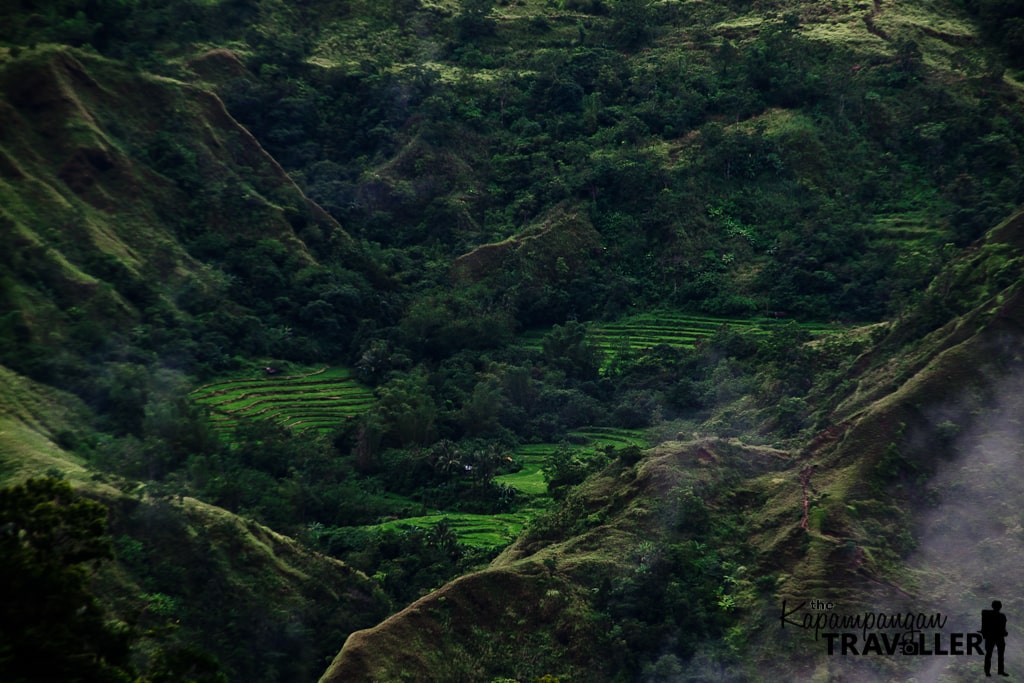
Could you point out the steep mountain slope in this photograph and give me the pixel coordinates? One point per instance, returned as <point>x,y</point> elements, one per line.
<point>502,166</point>
<point>129,204</point>
<point>711,147</point>
<point>134,204</point>
<point>902,503</point>
<point>192,578</point>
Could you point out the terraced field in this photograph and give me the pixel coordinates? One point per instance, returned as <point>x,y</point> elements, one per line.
<point>476,531</point>
<point>322,399</point>
<point>680,330</point>
<point>599,437</point>
<point>530,480</point>
<point>497,531</point>
<point>651,329</point>
<point>907,231</point>
<point>319,400</point>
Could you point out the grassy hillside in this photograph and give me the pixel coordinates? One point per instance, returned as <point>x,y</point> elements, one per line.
<point>777,356</point>
<point>136,213</point>
<point>182,565</point>
<point>193,576</point>
<point>589,579</point>
<point>586,157</point>
<point>679,566</point>
<point>697,155</point>
<point>136,207</point>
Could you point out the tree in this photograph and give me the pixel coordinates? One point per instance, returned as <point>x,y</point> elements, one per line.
<point>568,348</point>
<point>445,458</point>
<point>474,20</point>
<point>632,22</point>
<point>185,664</point>
<point>480,412</point>
<point>483,464</point>
<point>565,467</point>
<point>407,411</point>
<point>51,626</point>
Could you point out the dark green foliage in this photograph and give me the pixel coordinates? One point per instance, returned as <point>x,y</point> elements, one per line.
<point>473,21</point>
<point>213,588</point>
<point>1003,22</point>
<point>407,412</point>
<point>708,169</point>
<point>406,562</point>
<point>185,664</point>
<point>585,113</point>
<point>462,320</point>
<point>630,455</point>
<point>565,467</point>
<point>681,588</point>
<point>671,598</point>
<point>51,626</point>
<point>567,348</point>
<point>633,22</point>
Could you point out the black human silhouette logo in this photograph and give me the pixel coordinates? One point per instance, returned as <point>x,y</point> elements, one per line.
<point>993,630</point>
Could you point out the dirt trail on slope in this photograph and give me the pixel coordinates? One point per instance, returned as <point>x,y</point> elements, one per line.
<point>869,21</point>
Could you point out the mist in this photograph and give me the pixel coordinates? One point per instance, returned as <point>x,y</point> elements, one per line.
<point>970,547</point>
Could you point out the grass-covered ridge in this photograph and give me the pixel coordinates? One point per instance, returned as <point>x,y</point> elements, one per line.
<point>320,400</point>
<point>403,187</point>
<point>860,511</point>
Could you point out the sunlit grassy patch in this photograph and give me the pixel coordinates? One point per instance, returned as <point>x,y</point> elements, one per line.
<point>320,400</point>
<point>529,479</point>
<point>473,530</point>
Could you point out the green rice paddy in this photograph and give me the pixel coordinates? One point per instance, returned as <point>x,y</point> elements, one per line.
<point>473,530</point>
<point>320,400</point>
<point>497,531</point>
<point>323,399</point>
<point>679,330</point>
<point>530,480</point>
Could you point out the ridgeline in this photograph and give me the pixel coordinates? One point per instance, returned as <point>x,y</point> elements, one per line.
<point>521,340</point>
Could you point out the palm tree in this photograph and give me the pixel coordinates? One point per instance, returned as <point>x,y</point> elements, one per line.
<point>445,458</point>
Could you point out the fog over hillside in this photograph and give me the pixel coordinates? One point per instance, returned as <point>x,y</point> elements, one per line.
<point>970,543</point>
<point>507,340</point>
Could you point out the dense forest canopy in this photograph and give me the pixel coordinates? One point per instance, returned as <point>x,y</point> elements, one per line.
<point>301,292</point>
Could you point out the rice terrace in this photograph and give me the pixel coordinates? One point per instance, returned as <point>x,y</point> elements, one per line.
<point>671,328</point>
<point>495,531</point>
<point>323,399</point>
<point>320,400</point>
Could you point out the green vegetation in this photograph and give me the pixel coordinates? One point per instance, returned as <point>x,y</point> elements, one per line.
<point>538,462</point>
<point>483,532</point>
<point>53,627</point>
<point>529,479</point>
<point>183,565</point>
<point>319,400</point>
<point>644,331</point>
<point>635,315</point>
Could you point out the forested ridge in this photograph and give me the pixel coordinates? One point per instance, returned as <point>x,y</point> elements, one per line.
<point>331,304</point>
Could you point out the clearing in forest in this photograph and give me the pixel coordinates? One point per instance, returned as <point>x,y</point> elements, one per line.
<point>320,400</point>
<point>530,479</point>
